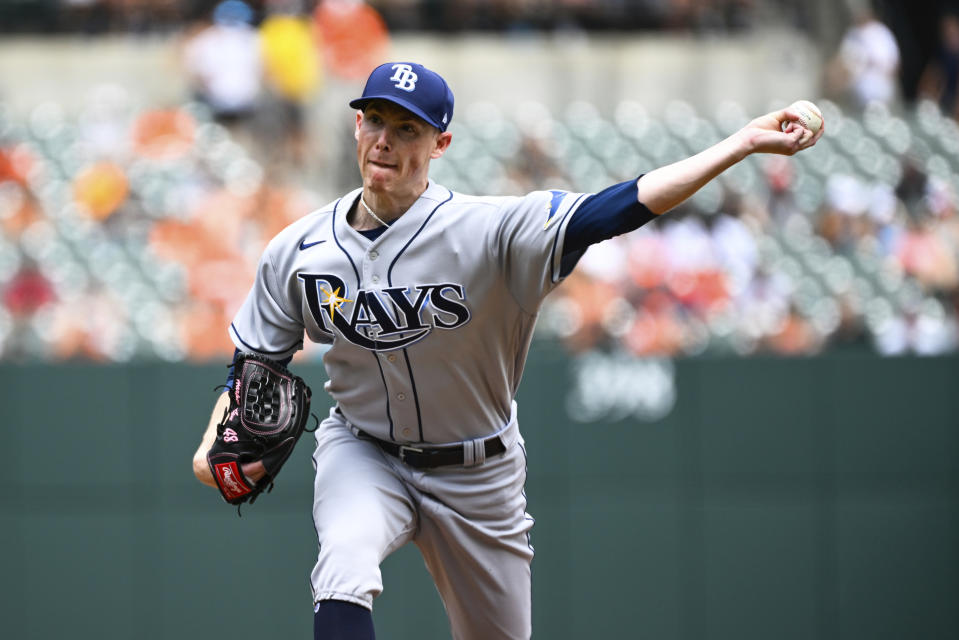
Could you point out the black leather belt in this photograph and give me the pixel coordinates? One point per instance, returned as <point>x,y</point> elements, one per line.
<point>425,457</point>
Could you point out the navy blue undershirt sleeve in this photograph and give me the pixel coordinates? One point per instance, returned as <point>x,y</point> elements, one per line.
<point>611,212</point>
<point>232,374</point>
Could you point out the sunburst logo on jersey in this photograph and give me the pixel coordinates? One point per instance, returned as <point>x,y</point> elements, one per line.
<point>333,299</point>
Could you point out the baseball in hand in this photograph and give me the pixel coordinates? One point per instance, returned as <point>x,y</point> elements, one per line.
<point>810,117</point>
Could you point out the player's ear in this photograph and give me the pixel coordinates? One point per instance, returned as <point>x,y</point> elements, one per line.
<point>359,121</point>
<point>443,141</point>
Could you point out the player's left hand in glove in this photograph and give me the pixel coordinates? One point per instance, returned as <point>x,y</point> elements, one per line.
<point>268,411</point>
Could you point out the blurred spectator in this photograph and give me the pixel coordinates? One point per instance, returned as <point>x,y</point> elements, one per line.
<point>291,58</point>
<point>923,329</point>
<point>940,78</point>
<point>794,336</point>
<point>163,134</point>
<point>92,327</point>
<point>87,16</point>
<point>735,248</point>
<point>694,277</point>
<point>851,332</point>
<point>841,220</point>
<point>28,291</point>
<point>354,37</point>
<point>142,16</point>
<point>100,189</point>
<point>780,175</point>
<point>657,327</point>
<point>866,68</point>
<point>18,206</point>
<point>223,63</point>
<point>926,255</point>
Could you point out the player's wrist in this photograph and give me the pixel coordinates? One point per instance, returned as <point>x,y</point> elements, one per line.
<point>741,144</point>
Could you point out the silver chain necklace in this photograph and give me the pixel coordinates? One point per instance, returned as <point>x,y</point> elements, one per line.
<point>370,211</point>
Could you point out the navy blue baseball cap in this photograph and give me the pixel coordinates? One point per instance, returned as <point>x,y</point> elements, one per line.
<point>413,87</point>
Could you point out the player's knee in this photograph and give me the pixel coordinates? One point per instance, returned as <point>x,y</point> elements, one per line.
<point>357,531</point>
<point>351,564</point>
<point>359,551</point>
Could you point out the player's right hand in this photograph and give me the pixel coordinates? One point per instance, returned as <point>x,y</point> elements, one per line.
<point>254,470</point>
<point>765,134</point>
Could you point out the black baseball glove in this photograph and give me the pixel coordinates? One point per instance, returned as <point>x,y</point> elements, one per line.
<point>269,408</point>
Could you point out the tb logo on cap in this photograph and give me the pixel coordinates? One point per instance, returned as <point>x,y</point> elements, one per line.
<point>404,77</point>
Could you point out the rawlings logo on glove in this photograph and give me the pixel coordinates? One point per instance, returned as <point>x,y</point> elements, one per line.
<point>269,407</point>
<point>228,480</point>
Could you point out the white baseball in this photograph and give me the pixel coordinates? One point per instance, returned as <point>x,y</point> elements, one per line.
<point>810,117</point>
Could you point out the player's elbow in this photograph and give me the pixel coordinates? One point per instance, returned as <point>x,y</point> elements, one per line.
<point>202,471</point>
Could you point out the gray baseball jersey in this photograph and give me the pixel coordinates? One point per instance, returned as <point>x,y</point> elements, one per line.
<point>429,325</point>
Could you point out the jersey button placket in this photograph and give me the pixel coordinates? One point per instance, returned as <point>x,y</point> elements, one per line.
<point>369,275</point>
<point>403,411</point>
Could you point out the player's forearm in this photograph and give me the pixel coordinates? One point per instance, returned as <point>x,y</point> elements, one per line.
<point>666,187</point>
<point>200,467</point>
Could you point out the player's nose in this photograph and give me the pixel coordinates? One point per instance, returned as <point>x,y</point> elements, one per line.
<point>384,140</point>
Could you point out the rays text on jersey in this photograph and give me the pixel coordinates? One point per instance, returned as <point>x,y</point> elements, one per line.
<point>387,318</point>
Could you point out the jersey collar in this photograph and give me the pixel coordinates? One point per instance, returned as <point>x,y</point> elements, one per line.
<point>403,227</point>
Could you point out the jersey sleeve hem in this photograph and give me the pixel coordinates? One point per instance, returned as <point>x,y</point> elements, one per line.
<point>557,272</point>
<point>244,345</point>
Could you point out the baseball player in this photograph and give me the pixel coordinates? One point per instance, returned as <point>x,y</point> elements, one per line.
<point>427,299</point>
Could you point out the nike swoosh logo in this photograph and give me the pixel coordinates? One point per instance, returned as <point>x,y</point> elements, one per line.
<point>307,245</point>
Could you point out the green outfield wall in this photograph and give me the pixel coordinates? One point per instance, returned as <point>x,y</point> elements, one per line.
<point>706,498</point>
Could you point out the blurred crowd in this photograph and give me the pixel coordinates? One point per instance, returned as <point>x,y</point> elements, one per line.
<point>132,231</point>
<point>143,16</point>
<point>128,233</point>
<point>705,16</point>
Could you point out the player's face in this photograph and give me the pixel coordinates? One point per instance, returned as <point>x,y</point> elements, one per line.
<point>394,148</point>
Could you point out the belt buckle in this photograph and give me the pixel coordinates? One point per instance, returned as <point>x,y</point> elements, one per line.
<point>401,454</point>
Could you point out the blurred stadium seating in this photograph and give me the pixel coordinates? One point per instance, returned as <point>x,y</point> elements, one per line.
<point>113,227</point>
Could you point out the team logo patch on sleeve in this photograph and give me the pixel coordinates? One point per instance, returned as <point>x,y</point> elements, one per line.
<point>552,209</point>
